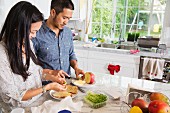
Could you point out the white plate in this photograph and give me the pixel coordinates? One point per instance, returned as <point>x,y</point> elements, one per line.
<point>52,92</point>
<point>84,85</point>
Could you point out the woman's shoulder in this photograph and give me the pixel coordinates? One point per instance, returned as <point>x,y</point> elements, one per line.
<point>2,47</point>
<point>3,50</point>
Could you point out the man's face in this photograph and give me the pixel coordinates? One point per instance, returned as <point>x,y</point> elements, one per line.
<point>60,20</point>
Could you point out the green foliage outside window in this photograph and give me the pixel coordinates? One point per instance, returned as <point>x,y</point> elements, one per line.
<point>103,11</point>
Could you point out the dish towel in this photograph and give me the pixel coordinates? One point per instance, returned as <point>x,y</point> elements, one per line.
<point>151,68</point>
<point>145,66</point>
<point>159,68</point>
<point>113,68</point>
<point>54,107</point>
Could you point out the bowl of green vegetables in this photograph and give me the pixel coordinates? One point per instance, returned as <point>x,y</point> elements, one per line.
<point>95,99</point>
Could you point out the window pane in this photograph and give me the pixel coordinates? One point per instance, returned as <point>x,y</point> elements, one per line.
<point>106,28</point>
<point>96,15</point>
<point>107,15</point>
<point>96,29</point>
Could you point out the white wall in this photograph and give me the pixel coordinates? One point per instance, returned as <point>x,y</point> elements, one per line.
<point>44,7</point>
<point>165,38</point>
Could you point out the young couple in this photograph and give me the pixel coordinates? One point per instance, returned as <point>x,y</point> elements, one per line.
<point>21,71</point>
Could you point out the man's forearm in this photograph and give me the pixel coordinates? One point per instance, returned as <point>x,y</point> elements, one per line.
<point>74,64</point>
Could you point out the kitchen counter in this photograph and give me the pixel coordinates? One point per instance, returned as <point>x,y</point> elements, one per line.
<point>91,47</point>
<point>115,86</point>
<point>93,58</point>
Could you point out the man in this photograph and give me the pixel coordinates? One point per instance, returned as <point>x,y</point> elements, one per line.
<point>54,42</point>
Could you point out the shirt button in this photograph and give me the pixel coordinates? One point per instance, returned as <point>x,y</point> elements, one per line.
<point>61,62</point>
<point>47,48</point>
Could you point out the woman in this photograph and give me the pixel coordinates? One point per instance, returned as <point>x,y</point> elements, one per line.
<point>20,74</point>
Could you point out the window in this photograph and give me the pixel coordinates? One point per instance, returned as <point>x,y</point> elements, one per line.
<point>102,17</point>
<point>117,18</point>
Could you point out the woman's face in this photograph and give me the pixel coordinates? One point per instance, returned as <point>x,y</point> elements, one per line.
<point>34,28</point>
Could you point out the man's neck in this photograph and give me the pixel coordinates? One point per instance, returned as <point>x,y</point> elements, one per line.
<point>54,29</point>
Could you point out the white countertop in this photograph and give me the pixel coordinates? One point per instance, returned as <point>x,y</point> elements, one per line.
<point>114,85</point>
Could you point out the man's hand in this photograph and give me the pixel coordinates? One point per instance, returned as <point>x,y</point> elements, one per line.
<point>55,75</point>
<point>78,72</point>
<point>59,73</point>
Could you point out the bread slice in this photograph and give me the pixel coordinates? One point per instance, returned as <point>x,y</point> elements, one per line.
<point>72,89</point>
<point>61,94</point>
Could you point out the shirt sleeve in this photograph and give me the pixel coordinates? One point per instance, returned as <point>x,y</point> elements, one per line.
<point>72,55</point>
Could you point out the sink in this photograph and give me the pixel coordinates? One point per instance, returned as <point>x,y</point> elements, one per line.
<point>108,45</point>
<point>127,47</point>
<point>118,46</point>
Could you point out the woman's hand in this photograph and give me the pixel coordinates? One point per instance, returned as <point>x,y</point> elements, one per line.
<point>55,86</point>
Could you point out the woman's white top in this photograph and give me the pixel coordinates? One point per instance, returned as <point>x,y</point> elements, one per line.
<point>12,86</point>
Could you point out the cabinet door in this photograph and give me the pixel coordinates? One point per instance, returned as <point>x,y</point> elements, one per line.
<point>99,66</point>
<point>82,64</point>
<point>44,7</point>
<point>126,69</point>
<point>76,9</point>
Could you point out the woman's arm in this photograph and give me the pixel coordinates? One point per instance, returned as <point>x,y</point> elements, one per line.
<point>34,92</point>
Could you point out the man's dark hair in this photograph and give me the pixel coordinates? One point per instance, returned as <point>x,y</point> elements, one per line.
<point>59,5</point>
<point>15,34</point>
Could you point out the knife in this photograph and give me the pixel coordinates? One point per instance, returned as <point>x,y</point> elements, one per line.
<point>79,88</point>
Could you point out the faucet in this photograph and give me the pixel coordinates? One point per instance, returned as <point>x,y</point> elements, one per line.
<point>120,38</point>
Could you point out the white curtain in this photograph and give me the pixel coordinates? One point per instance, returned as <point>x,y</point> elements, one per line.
<point>165,37</point>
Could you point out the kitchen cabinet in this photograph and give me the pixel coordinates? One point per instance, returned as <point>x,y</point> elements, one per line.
<point>82,56</point>
<point>99,61</point>
<point>43,6</point>
<point>80,7</point>
<point>96,61</point>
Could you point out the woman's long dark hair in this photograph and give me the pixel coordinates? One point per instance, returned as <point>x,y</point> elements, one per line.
<point>15,34</point>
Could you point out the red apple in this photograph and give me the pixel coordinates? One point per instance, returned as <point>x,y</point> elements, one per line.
<point>89,78</point>
<point>159,96</point>
<point>142,104</point>
<point>158,106</point>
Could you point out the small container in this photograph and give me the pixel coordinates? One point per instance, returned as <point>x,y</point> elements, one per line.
<point>95,105</point>
<point>86,38</point>
<point>94,39</point>
<point>18,110</point>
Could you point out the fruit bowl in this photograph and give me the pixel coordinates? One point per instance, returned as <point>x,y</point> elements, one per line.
<point>95,100</point>
<point>153,102</point>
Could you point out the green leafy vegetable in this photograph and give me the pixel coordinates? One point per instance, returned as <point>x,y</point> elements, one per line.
<point>96,98</point>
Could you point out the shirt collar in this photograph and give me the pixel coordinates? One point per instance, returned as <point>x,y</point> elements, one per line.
<point>47,29</point>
